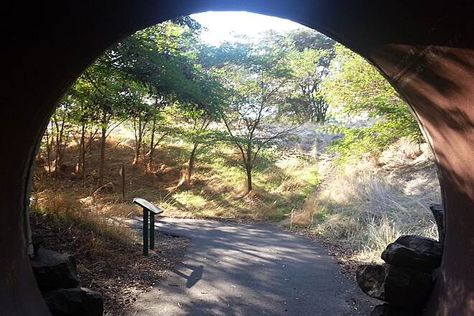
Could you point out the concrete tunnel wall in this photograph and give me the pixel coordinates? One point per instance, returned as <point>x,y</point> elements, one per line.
<point>425,49</point>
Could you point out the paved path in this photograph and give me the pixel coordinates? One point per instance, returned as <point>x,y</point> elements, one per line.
<point>250,269</point>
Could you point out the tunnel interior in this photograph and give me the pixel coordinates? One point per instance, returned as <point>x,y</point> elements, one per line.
<point>424,49</point>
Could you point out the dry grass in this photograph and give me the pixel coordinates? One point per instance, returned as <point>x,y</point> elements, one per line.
<point>366,206</point>
<point>71,216</point>
<point>217,190</point>
<point>88,213</point>
<point>363,206</point>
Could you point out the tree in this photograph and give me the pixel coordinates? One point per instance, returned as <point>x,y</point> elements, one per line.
<point>105,89</point>
<point>308,54</point>
<point>359,89</point>
<point>57,134</point>
<point>309,40</point>
<point>165,59</point>
<point>305,38</point>
<point>256,83</point>
<point>197,132</point>
<point>141,111</point>
<point>306,102</point>
<point>83,115</point>
<point>59,127</point>
<point>160,128</point>
<point>135,79</point>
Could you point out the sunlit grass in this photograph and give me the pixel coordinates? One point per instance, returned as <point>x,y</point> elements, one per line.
<point>364,208</point>
<point>95,216</point>
<point>280,186</point>
<point>217,190</point>
<point>190,200</point>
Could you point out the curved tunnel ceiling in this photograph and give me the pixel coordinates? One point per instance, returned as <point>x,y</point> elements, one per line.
<point>424,48</point>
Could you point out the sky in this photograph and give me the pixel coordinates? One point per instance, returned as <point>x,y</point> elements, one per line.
<point>222,26</point>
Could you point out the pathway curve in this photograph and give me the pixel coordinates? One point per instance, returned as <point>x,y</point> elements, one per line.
<point>250,269</point>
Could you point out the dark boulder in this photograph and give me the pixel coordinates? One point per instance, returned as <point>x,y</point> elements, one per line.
<point>407,288</point>
<point>387,310</point>
<point>414,252</point>
<point>370,279</point>
<point>400,287</point>
<point>74,302</point>
<point>54,270</point>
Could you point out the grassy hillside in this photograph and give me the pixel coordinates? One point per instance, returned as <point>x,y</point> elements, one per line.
<point>366,205</point>
<point>281,183</point>
<point>73,216</point>
<point>361,206</point>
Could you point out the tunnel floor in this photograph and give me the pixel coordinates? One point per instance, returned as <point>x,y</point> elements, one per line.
<point>250,269</point>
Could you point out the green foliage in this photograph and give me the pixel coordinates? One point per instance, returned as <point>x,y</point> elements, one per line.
<point>302,39</point>
<point>136,80</point>
<point>305,102</point>
<point>255,84</point>
<point>281,184</point>
<point>358,89</point>
<point>165,58</point>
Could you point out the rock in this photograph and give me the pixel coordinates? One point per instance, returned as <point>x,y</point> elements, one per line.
<point>414,252</point>
<point>438,214</point>
<point>407,288</point>
<point>400,287</point>
<point>370,279</point>
<point>74,302</point>
<point>387,310</point>
<point>54,270</point>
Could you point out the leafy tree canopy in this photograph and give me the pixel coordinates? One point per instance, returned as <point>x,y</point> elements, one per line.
<point>357,88</point>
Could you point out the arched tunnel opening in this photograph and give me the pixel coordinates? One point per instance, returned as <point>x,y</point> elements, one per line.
<point>123,130</point>
<point>424,51</point>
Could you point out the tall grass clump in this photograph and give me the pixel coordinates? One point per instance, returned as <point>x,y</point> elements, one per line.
<point>85,214</point>
<point>365,206</point>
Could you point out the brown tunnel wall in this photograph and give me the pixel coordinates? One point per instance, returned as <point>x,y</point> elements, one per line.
<point>425,49</point>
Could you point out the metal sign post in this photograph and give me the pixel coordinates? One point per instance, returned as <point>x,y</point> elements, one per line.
<point>149,210</point>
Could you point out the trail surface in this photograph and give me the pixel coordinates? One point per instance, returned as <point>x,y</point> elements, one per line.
<point>250,269</point>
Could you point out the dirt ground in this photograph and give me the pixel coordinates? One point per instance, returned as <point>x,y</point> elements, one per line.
<point>117,270</point>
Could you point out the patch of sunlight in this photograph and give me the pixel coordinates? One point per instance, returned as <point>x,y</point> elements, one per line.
<point>190,200</point>
<point>308,175</point>
<point>286,163</point>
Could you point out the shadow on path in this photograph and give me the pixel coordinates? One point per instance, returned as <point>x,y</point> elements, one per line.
<point>250,269</point>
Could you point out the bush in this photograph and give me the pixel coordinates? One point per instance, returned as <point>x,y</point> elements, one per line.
<point>357,89</point>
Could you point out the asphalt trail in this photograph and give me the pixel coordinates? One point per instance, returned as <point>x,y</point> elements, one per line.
<point>250,269</point>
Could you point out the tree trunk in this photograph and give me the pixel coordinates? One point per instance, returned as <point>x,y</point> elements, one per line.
<point>103,137</point>
<point>83,159</point>
<point>136,156</point>
<point>59,141</point>
<point>48,149</point>
<point>249,164</point>
<point>152,144</point>
<point>81,156</point>
<point>138,140</point>
<point>192,158</point>
<point>248,169</point>
<point>57,150</point>
<point>90,141</point>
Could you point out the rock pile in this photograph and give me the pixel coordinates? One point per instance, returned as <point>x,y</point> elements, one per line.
<point>406,279</point>
<point>57,279</point>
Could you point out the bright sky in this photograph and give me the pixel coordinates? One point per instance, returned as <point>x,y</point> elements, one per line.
<point>222,26</point>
